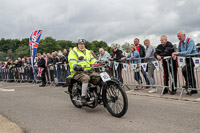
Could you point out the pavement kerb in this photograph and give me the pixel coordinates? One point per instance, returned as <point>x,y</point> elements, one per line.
<point>132,92</point>
<point>6,126</point>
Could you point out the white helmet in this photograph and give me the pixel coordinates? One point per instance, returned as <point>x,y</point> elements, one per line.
<point>81,41</point>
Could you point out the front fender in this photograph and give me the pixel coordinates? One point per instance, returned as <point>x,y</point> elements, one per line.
<point>113,80</point>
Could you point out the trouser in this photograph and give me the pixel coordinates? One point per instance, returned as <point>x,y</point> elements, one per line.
<point>145,76</point>
<point>16,75</point>
<point>43,77</point>
<point>166,73</point>
<point>150,75</point>
<point>10,76</point>
<point>63,75</point>
<point>47,73</point>
<point>52,75</point>
<point>0,76</point>
<point>188,73</point>
<point>24,76</point>
<point>137,77</point>
<point>59,76</point>
<point>31,74</point>
<point>118,74</point>
<point>68,71</point>
<point>84,77</point>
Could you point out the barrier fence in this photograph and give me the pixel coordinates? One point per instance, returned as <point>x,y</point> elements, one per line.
<point>166,73</point>
<point>55,74</point>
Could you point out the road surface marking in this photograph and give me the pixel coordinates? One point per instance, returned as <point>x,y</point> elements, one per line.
<point>1,89</point>
<point>17,86</point>
<point>198,99</point>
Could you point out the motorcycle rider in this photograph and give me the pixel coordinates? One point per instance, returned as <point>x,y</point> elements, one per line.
<point>79,59</point>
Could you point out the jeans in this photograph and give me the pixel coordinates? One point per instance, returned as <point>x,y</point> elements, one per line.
<point>137,77</point>
<point>145,76</point>
<point>58,75</point>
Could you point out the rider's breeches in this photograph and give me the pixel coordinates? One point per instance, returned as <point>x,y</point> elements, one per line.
<point>84,78</point>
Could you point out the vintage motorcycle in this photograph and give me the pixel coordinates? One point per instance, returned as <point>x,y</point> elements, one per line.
<point>102,90</point>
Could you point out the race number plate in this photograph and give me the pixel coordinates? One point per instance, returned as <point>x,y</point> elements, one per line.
<point>105,77</point>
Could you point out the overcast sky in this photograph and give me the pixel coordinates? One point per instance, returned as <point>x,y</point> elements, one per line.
<point>113,21</point>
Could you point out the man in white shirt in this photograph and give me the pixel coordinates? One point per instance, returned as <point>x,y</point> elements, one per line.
<point>104,55</point>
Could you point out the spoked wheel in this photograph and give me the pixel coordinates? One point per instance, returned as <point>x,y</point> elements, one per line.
<point>76,99</point>
<point>115,99</point>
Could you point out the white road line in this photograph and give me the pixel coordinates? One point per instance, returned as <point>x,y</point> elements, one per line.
<point>17,86</point>
<point>198,99</point>
<point>1,89</point>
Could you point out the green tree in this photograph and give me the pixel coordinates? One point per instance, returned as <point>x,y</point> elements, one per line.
<point>2,56</point>
<point>47,45</point>
<point>22,51</point>
<point>125,47</point>
<point>15,48</point>
<point>10,54</point>
<point>115,44</point>
<point>63,44</point>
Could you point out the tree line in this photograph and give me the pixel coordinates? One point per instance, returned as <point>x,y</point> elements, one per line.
<point>14,48</point>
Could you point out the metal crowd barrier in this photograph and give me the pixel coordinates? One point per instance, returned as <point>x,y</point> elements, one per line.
<point>127,72</point>
<point>189,64</point>
<point>124,72</point>
<point>55,74</point>
<point>17,74</point>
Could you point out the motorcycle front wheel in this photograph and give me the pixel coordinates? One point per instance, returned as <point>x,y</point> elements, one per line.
<point>115,99</point>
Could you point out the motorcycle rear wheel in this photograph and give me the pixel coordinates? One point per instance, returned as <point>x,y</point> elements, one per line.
<point>75,97</point>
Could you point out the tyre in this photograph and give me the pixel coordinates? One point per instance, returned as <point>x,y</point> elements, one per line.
<point>75,97</point>
<point>115,99</point>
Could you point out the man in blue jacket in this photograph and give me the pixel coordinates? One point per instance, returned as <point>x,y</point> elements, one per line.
<point>187,46</point>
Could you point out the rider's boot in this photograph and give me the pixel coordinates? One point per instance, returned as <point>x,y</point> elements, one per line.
<point>83,100</point>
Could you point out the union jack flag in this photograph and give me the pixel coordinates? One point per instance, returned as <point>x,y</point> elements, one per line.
<point>40,71</point>
<point>34,41</point>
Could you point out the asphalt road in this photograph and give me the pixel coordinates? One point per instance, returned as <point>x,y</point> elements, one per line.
<point>49,110</point>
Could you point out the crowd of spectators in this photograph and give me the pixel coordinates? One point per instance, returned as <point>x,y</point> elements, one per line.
<point>21,70</point>
<point>57,68</point>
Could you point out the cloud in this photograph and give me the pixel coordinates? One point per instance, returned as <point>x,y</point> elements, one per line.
<point>113,21</point>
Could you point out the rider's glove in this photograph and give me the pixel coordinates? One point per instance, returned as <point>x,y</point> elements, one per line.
<point>100,62</point>
<point>78,68</point>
